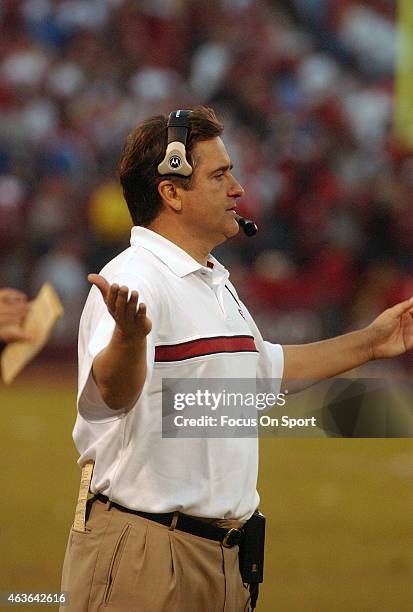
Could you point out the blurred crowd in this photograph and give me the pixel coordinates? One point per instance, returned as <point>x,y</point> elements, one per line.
<point>305,90</point>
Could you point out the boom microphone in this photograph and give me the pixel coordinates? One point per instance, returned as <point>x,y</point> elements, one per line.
<point>249,227</point>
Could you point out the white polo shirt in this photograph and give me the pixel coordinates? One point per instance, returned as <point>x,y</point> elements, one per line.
<point>198,331</point>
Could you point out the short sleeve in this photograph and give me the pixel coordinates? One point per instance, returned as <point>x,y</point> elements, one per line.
<point>270,365</point>
<point>271,356</point>
<point>95,332</point>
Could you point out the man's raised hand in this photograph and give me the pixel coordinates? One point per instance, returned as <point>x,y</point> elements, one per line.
<point>391,333</point>
<point>130,321</point>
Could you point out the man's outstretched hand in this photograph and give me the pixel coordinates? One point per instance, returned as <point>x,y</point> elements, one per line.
<point>131,321</point>
<point>120,368</point>
<point>391,334</point>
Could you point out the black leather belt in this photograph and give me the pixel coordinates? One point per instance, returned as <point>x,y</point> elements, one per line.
<point>228,537</point>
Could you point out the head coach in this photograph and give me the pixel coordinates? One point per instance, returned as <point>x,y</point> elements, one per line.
<point>168,517</point>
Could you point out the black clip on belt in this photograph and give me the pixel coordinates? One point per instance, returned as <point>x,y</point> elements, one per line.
<point>228,537</point>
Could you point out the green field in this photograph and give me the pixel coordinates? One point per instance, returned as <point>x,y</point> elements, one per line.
<point>340,512</point>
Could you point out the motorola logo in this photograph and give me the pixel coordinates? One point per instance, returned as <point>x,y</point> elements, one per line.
<point>175,161</point>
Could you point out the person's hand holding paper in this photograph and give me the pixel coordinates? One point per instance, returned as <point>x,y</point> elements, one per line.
<point>28,330</point>
<point>13,310</point>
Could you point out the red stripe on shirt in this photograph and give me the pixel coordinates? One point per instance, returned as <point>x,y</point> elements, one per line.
<point>205,346</point>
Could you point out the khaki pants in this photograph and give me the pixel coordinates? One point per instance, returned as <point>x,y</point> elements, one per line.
<point>125,563</point>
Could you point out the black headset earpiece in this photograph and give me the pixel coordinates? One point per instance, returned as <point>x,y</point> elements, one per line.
<point>175,161</point>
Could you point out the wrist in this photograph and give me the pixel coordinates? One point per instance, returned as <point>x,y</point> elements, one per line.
<point>128,339</point>
<point>368,341</point>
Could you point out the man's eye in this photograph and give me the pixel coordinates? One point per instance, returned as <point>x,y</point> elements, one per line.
<point>220,175</point>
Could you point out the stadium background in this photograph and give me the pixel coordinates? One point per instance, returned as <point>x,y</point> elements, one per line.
<point>306,91</point>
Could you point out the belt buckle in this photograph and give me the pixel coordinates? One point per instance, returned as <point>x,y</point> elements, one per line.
<point>227,536</point>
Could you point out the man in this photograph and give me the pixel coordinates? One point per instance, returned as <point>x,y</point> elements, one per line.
<point>153,539</point>
<point>13,309</point>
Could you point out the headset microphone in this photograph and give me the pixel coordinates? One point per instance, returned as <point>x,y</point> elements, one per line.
<point>175,161</point>
<point>249,227</point>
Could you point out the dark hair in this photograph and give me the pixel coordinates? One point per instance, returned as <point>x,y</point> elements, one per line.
<point>145,148</point>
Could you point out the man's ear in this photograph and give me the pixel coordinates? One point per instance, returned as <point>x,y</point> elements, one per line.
<point>169,194</point>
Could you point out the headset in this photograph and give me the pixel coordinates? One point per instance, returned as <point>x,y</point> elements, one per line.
<point>175,161</point>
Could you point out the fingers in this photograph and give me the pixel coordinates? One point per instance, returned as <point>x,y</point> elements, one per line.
<point>12,296</point>
<point>128,308</point>
<point>13,310</point>
<point>101,283</point>
<point>121,300</point>
<point>114,296</point>
<point>111,298</point>
<point>13,306</point>
<point>20,337</point>
<point>399,309</point>
<point>144,324</point>
<point>13,333</point>
<point>116,299</point>
<point>13,315</point>
<point>133,303</point>
<point>141,310</point>
<point>118,303</point>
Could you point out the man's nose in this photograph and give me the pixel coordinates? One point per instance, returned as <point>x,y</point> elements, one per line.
<point>236,190</point>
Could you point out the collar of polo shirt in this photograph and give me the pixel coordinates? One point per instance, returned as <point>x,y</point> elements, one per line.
<point>178,260</point>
